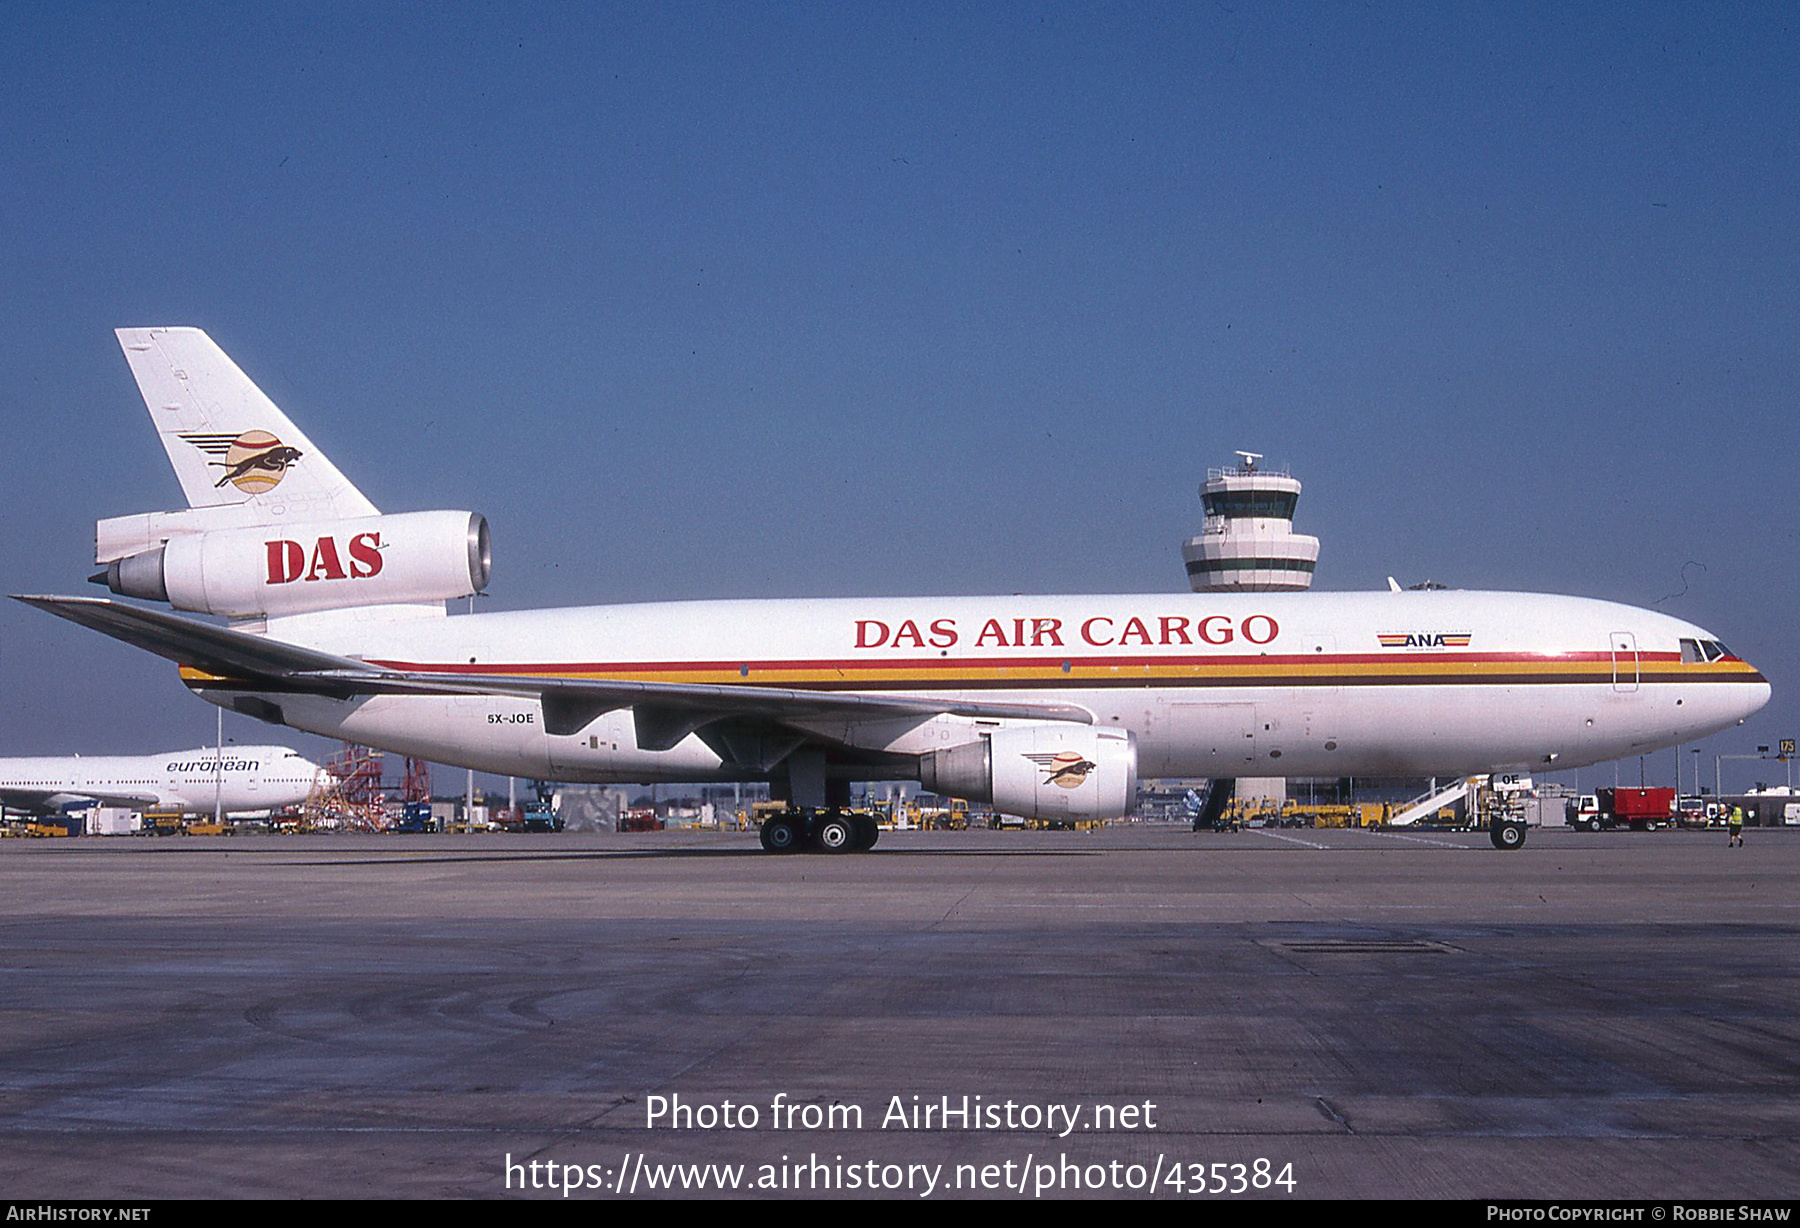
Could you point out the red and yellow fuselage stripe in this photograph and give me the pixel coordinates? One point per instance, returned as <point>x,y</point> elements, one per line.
<point>1091,670</point>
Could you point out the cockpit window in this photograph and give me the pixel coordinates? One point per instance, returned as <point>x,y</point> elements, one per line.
<point>1719,650</point>
<point>1690,652</point>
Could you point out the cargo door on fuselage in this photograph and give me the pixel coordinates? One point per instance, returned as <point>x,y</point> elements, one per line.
<point>1206,739</point>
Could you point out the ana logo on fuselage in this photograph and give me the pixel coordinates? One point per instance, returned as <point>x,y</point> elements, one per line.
<point>1424,639</point>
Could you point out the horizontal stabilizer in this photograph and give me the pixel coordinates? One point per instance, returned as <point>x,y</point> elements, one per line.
<point>217,650</point>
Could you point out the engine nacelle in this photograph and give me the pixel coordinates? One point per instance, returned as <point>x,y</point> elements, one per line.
<point>323,565</point>
<point>1066,773</point>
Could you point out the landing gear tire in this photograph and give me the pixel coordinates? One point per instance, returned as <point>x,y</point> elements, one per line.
<point>867,833</point>
<point>780,836</point>
<point>1507,835</point>
<point>837,833</point>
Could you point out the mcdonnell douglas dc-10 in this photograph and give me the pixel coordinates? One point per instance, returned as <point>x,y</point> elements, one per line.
<point>1044,707</point>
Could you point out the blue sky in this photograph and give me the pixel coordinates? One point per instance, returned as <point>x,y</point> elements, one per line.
<point>705,300</point>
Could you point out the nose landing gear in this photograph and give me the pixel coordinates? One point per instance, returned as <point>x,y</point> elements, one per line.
<point>1506,833</point>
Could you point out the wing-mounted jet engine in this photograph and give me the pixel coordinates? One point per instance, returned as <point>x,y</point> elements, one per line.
<point>1058,773</point>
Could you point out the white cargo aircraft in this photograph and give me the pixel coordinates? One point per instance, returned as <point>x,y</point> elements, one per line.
<point>1042,706</point>
<point>243,779</point>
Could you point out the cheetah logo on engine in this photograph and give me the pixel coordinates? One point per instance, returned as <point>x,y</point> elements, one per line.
<point>1066,770</point>
<point>255,461</point>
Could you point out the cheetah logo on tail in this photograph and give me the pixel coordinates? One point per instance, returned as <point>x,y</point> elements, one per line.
<point>255,461</point>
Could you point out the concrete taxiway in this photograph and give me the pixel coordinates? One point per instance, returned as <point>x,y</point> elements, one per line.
<point>1598,1015</point>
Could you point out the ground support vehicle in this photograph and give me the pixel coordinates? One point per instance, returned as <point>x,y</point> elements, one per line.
<point>1639,809</point>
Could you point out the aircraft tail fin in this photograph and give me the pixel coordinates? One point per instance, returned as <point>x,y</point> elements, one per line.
<point>231,446</point>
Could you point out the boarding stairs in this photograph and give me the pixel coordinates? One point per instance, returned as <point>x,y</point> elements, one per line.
<point>1431,801</point>
<point>1209,812</point>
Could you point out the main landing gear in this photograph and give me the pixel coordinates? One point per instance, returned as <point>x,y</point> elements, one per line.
<point>826,831</point>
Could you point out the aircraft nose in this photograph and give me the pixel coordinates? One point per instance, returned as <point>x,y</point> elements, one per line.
<point>1733,689</point>
<point>1749,692</point>
<point>1756,694</point>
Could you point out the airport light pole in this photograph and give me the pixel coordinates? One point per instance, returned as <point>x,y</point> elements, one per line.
<point>1763,754</point>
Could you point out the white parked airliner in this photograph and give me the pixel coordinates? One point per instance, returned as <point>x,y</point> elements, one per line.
<point>1044,706</point>
<point>243,779</point>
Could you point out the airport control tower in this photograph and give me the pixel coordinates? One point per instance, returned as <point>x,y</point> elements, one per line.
<point>1248,543</point>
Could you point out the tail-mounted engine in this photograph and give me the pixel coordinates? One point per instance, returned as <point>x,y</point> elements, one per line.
<point>279,569</point>
<point>1058,772</point>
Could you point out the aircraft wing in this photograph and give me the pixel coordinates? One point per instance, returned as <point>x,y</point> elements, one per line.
<point>665,712</point>
<point>32,801</point>
<point>49,801</point>
<point>662,708</point>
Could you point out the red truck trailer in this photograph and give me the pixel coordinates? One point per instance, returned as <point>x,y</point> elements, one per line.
<point>1637,809</point>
